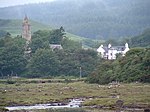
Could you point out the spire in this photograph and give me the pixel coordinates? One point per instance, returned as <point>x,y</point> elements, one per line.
<point>25,20</point>
<point>26,31</point>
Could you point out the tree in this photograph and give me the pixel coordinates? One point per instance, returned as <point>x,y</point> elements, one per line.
<point>38,43</point>
<point>56,36</point>
<point>72,60</point>
<point>103,73</point>
<point>43,63</point>
<point>87,60</point>
<point>70,45</point>
<point>134,66</point>
<point>12,59</point>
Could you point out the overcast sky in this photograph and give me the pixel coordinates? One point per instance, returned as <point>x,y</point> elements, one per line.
<point>5,3</point>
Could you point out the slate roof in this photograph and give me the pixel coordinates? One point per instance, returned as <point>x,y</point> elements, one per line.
<point>118,48</point>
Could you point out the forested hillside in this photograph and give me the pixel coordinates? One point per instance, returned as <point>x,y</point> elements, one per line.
<point>100,19</point>
<point>142,40</point>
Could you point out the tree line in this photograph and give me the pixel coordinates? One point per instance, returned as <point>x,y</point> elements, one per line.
<point>134,66</point>
<point>44,61</point>
<point>69,61</point>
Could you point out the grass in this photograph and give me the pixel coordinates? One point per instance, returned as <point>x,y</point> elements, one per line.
<point>74,37</point>
<point>23,93</point>
<point>14,26</point>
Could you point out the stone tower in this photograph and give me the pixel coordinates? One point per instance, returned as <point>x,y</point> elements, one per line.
<point>26,31</point>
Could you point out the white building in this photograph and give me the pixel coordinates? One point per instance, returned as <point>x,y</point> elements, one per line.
<point>110,52</point>
<point>55,46</point>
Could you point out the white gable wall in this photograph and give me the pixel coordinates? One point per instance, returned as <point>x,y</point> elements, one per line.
<point>111,53</point>
<point>101,51</point>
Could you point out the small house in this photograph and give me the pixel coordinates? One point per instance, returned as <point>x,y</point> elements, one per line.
<point>55,46</point>
<point>109,52</point>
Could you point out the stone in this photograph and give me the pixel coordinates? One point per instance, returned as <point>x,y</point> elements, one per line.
<point>119,103</point>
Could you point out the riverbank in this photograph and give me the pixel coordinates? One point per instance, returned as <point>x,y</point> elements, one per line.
<point>96,96</point>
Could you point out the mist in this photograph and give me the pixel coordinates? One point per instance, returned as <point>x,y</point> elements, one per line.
<point>98,19</point>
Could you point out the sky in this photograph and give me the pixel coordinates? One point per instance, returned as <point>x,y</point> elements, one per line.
<point>6,3</point>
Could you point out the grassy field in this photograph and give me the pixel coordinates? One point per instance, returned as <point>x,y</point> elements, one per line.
<point>23,93</point>
<point>14,26</point>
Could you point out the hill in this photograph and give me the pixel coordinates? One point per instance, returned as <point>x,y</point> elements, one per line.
<point>142,40</point>
<point>15,26</point>
<point>99,19</point>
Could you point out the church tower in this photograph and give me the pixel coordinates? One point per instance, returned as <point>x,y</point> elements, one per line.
<point>26,31</point>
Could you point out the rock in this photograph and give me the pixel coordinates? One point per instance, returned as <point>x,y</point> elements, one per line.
<point>119,103</point>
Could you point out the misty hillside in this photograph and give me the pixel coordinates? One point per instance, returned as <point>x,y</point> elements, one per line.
<point>99,19</point>
<point>15,26</point>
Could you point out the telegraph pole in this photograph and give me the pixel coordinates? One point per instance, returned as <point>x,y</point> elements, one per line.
<point>80,72</point>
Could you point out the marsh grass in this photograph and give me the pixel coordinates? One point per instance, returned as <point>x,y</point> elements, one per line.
<point>94,94</point>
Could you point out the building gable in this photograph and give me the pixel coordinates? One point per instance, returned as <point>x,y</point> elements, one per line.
<point>109,52</point>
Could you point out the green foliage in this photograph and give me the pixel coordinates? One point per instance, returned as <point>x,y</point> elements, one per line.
<point>66,61</point>
<point>70,45</point>
<point>43,38</point>
<point>43,63</point>
<point>71,61</point>
<point>2,33</point>
<point>12,59</point>
<point>87,60</point>
<point>135,66</point>
<point>56,36</point>
<point>103,75</point>
<point>38,44</point>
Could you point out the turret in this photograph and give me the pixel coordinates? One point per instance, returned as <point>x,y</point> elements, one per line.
<point>26,33</point>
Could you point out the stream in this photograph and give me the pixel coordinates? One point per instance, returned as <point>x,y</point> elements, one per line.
<point>74,103</point>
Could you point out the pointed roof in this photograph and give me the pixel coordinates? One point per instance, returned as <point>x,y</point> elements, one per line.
<point>25,18</point>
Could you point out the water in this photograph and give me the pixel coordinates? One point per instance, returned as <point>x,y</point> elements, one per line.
<point>74,103</point>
